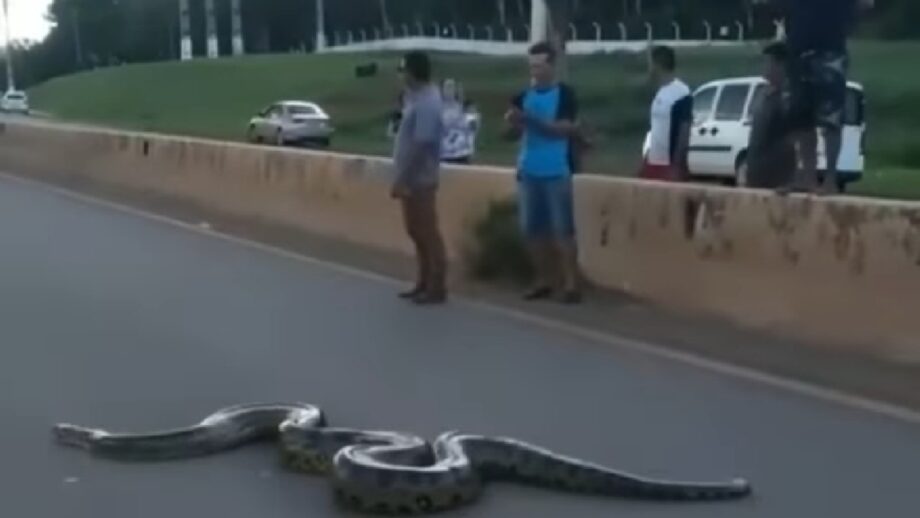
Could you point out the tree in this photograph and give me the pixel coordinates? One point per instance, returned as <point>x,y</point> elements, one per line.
<point>560,15</point>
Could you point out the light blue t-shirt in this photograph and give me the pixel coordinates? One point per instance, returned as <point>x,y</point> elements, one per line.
<point>543,156</point>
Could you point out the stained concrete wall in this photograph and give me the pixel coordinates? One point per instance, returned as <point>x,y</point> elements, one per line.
<point>841,271</point>
<point>341,196</point>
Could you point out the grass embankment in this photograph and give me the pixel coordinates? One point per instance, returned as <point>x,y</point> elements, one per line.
<point>216,98</point>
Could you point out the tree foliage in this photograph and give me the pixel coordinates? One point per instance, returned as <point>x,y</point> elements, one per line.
<point>92,33</point>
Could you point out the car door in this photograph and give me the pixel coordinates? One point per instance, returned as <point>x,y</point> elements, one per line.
<point>727,133</point>
<point>268,123</point>
<point>704,101</point>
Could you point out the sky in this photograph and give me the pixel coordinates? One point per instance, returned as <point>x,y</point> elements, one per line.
<point>27,19</point>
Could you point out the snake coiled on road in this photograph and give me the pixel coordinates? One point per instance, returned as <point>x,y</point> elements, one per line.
<point>387,472</point>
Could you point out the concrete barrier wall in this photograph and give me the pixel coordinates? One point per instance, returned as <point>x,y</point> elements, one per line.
<point>341,196</point>
<point>840,271</point>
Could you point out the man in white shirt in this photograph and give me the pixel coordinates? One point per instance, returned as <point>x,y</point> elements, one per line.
<point>670,121</point>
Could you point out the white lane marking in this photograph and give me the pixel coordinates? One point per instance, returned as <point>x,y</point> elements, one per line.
<point>815,391</point>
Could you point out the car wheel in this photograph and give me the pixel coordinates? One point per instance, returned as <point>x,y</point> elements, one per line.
<point>741,172</point>
<point>251,136</point>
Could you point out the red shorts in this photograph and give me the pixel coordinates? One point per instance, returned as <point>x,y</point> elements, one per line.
<point>658,172</point>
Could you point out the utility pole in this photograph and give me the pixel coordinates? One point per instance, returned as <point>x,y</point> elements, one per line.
<point>77,41</point>
<point>539,21</point>
<point>320,26</point>
<point>237,23</point>
<point>211,29</point>
<point>385,16</point>
<point>10,79</point>
<point>185,31</point>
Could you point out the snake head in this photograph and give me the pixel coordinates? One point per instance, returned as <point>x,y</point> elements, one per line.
<point>75,436</point>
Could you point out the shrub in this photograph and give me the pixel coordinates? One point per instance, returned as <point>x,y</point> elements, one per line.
<point>500,252</point>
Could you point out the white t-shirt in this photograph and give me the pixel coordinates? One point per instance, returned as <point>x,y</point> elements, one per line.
<point>669,109</point>
<point>459,134</point>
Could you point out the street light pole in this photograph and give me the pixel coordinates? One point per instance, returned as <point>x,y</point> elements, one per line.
<point>10,79</point>
<point>320,25</point>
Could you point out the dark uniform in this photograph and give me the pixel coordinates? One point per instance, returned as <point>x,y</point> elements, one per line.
<point>816,33</point>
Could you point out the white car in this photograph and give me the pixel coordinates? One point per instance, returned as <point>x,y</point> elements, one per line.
<point>722,116</point>
<point>291,122</point>
<point>14,101</point>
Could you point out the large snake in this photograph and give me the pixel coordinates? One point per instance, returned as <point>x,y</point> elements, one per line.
<point>388,472</point>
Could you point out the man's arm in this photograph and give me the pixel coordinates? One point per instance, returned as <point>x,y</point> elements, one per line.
<point>566,123</point>
<point>427,134</point>
<point>514,118</point>
<point>683,117</point>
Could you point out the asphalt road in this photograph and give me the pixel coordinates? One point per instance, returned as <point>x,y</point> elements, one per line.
<point>112,320</point>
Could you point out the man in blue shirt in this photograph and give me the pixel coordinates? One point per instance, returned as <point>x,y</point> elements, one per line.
<point>816,34</point>
<point>545,115</point>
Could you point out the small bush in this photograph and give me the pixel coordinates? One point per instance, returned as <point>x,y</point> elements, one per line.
<point>500,252</point>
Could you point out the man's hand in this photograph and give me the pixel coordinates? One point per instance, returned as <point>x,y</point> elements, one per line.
<point>514,117</point>
<point>399,191</point>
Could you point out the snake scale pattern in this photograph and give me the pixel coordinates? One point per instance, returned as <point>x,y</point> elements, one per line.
<point>388,473</point>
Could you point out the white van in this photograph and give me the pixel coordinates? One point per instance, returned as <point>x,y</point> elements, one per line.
<point>722,115</point>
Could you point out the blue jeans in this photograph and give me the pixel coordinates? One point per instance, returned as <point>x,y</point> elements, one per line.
<point>546,207</point>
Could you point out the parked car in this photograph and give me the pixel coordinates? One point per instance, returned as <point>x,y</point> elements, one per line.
<point>15,101</point>
<point>292,122</point>
<point>722,116</point>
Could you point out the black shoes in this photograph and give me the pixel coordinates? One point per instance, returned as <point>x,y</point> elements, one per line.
<point>544,292</point>
<point>422,297</point>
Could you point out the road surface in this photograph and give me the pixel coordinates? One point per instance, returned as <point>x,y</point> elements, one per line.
<point>113,320</point>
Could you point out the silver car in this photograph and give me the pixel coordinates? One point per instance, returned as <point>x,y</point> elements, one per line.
<point>291,122</point>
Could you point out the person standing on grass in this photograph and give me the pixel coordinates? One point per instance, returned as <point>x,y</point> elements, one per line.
<point>545,115</point>
<point>771,152</point>
<point>816,33</point>
<point>417,159</point>
<point>459,133</point>
<point>670,121</point>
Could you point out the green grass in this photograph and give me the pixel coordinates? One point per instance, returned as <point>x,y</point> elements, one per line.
<point>216,98</point>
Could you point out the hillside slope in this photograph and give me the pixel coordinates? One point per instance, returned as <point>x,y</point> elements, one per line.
<point>215,98</point>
